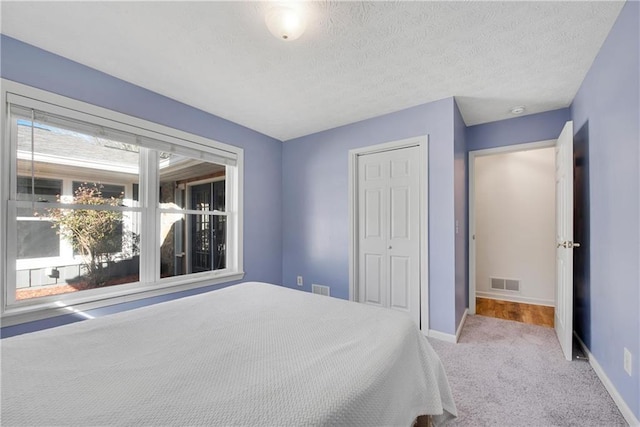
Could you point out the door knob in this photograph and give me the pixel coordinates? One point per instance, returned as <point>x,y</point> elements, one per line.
<point>390,247</point>
<point>568,245</point>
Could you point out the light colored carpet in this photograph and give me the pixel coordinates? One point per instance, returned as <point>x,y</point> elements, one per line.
<point>505,373</point>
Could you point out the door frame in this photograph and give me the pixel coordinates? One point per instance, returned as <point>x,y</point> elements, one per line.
<point>422,143</point>
<point>472,200</point>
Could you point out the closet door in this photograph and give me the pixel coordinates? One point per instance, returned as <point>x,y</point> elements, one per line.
<point>388,230</point>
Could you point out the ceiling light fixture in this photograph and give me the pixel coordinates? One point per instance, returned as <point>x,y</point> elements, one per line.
<point>518,110</point>
<point>285,23</point>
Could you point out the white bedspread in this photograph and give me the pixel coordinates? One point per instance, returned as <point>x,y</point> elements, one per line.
<point>251,354</point>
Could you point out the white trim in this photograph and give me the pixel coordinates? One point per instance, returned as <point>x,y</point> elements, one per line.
<point>5,165</point>
<point>424,233</point>
<point>627,413</point>
<point>191,212</point>
<point>472,201</point>
<point>442,336</point>
<point>461,325</point>
<point>422,142</point>
<point>235,222</point>
<point>516,298</point>
<point>55,205</point>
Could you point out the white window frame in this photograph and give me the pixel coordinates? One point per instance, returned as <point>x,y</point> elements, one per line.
<point>150,285</point>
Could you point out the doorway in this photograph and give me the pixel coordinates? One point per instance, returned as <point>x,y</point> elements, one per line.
<point>388,227</point>
<point>207,233</point>
<point>512,218</point>
<point>565,182</point>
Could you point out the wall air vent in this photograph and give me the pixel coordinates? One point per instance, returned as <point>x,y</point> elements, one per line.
<point>505,284</point>
<point>512,285</point>
<point>497,283</point>
<point>320,290</point>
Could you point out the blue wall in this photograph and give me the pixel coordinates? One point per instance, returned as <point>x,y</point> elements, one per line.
<point>519,130</point>
<point>315,188</point>
<point>35,67</point>
<point>608,105</point>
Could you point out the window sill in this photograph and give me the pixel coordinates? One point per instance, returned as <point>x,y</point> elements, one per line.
<point>32,312</point>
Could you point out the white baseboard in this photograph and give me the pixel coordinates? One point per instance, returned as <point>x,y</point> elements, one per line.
<point>619,401</point>
<point>464,319</point>
<point>442,336</point>
<point>515,298</point>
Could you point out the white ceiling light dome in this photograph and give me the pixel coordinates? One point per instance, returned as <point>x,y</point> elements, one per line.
<point>285,22</point>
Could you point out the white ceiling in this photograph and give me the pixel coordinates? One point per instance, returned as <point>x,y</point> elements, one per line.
<point>356,60</point>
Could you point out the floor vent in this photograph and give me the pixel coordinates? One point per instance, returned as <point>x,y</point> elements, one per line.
<point>505,284</point>
<point>320,290</point>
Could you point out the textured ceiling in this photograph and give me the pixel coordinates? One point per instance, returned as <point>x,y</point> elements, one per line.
<point>355,61</point>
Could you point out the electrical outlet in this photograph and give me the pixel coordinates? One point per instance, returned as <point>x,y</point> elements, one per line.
<point>300,281</point>
<point>627,361</point>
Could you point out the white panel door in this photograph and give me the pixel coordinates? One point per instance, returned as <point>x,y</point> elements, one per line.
<point>564,240</point>
<point>388,230</point>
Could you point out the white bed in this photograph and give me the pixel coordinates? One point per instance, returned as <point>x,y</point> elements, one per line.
<point>251,354</point>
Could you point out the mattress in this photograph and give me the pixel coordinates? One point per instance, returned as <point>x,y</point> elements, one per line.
<point>252,354</point>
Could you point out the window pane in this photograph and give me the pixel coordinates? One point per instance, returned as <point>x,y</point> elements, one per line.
<point>188,183</point>
<point>98,264</point>
<point>37,239</point>
<point>68,145</point>
<point>192,243</point>
<point>61,155</point>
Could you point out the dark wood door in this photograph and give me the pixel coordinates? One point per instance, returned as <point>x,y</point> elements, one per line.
<point>208,232</point>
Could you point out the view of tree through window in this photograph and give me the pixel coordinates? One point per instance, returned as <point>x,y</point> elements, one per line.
<point>62,250</point>
<point>103,207</point>
<point>97,235</point>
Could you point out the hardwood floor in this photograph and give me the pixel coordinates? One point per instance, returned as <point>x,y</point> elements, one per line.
<point>525,313</point>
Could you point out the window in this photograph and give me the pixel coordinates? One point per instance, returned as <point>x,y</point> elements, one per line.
<point>195,239</point>
<point>101,205</point>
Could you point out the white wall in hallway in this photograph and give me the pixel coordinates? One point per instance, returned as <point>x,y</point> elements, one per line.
<point>515,224</point>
